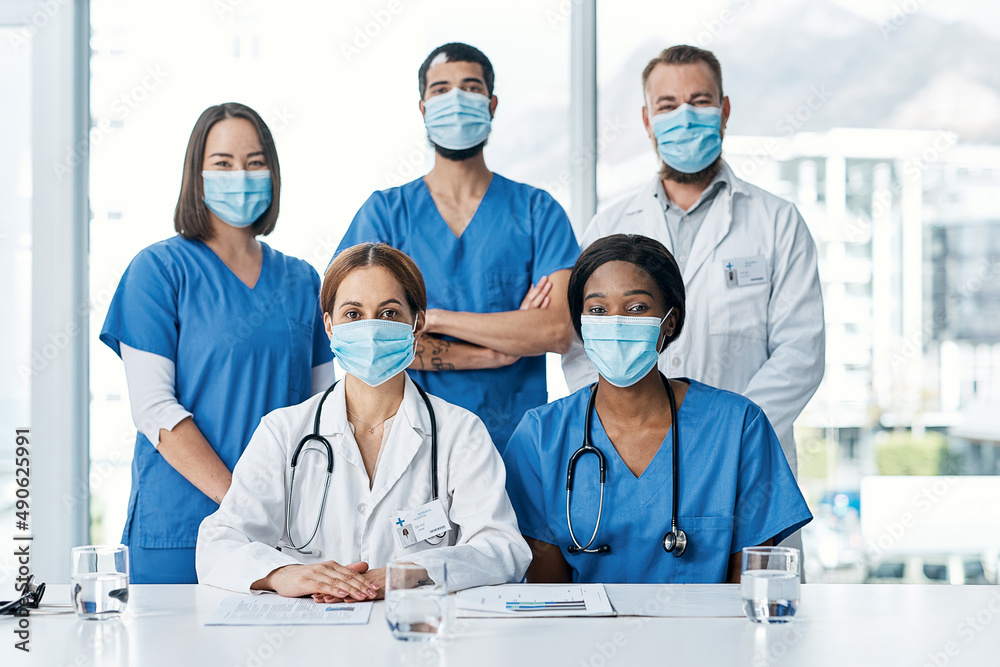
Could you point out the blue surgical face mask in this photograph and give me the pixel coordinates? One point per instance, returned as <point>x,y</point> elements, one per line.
<point>624,349</point>
<point>689,138</point>
<point>373,351</point>
<point>239,198</point>
<point>457,119</point>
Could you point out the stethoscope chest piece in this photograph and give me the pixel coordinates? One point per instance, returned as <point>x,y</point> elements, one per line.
<point>675,543</point>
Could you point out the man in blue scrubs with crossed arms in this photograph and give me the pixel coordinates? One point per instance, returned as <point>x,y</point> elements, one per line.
<point>495,254</point>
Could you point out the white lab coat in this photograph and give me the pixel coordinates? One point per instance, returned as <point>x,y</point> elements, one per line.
<point>765,341</point>
<point>236,544</point>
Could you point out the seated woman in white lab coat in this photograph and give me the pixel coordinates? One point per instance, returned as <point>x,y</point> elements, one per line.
<point>379,429</point>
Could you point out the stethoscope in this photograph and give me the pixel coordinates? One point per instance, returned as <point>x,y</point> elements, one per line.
<point>30,602</point>
<point>289,543</point>
<point>675,541</point>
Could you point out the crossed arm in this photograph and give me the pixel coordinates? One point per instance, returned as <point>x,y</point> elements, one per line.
<point>493,340</point>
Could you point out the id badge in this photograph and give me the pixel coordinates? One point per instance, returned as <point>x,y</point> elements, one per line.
<point>745,271</point>
<point>420,523</point>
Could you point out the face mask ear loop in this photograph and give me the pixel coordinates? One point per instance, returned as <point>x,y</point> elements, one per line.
<point>413,330</point>
<point>658,350</point>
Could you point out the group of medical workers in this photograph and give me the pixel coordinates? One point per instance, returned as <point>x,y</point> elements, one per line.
<point>691,329</point>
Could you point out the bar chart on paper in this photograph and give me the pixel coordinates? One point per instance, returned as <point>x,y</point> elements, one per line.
<point>511,600</point>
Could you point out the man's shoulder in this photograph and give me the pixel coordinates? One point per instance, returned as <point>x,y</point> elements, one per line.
<point>625,206</point>
<point>519,190</point>
<point>756,197</point>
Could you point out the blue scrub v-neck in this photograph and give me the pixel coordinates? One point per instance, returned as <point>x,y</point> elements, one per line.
<point>238,353</point>
<point>657,474</point>
<point>260,276</point>
<point>447,228</point>
<point>518,235</point>
<point>735,489</point>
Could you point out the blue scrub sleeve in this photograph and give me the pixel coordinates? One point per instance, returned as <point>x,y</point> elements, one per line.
<point>369,224</point>
<point>143,311</point>
<point>524,483</point>
<point>321,352</point>
<point>768,501</point>
<point>555,246</point>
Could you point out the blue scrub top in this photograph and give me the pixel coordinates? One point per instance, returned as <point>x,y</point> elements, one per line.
<point>518,235</point>
<point>239,353</point>
<point>736,490</point>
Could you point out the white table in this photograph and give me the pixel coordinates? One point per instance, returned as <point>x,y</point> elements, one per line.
<point>851,625</point>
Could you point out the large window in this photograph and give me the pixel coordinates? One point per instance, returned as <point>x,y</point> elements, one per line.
<point>337,84</point>
<point>872,118</point>
<point>15,267</point>
<point>875,117</point>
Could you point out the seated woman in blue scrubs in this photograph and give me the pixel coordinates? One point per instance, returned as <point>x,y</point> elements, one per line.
<point>215,330</point>
<point>734,488</point>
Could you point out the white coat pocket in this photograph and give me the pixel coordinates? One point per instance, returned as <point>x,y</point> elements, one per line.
<point>738,309</point>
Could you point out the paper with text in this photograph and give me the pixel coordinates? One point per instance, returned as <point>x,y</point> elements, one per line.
<point>277,610</point>
<point>523,600</point>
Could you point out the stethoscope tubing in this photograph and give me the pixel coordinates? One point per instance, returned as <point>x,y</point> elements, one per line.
<point>588,448</point>
<point>288,542</point>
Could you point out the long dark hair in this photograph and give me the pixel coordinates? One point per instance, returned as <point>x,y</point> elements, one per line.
<point>191,215</point>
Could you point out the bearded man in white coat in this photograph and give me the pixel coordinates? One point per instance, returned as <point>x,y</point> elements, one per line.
<point>755,310</point>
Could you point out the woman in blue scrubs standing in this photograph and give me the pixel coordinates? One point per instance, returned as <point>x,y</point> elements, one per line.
<point>734,486</point>
<point>215,329</point>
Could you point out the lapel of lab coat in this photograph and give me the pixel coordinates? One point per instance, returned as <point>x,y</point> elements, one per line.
<point>716,225</point>
<point>410,429</point>
<point>644,215</point>
<point>405,438</point>
<point>333,426</point>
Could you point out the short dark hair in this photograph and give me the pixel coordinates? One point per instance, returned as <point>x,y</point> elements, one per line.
<point>365,255</point>
<point>191,215</point>
<point>649,255</point>
<point>460,53</point>
<point>683,54</point>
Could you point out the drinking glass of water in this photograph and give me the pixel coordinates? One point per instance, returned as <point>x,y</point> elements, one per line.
<point>769,582</point>
<point>100,581</point>
<point>416,600</point>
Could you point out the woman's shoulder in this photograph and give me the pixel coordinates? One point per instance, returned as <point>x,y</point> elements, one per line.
<point>717,399</point>
<point>549,419</point>
<point>294,266</point>
<point>563,408</point>
<point>293,418</point>
<point>168,250</point>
